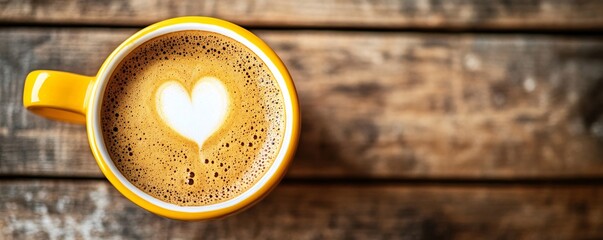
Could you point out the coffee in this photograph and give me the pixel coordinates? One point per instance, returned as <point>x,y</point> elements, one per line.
<point>192,118</point>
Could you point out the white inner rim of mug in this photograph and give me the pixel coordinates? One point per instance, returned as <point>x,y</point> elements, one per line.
<point>104,78</point>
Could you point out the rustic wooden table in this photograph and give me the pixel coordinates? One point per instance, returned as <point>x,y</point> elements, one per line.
<point>421,120</point>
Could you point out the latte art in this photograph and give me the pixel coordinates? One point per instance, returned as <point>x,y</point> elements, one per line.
<point>192,118</point>
<point>195,117</point>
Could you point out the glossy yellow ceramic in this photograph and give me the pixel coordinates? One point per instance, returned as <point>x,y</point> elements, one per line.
<point>72,98</point>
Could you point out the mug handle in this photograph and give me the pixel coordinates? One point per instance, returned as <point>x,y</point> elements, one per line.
<point>58,95</point>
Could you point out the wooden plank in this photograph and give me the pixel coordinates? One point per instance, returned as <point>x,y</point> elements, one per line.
<point>61,209</point>
<point>383,105</point>
<point>421,14</point>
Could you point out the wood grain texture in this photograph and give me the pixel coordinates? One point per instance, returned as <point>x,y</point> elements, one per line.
<point>57,209</point>
<point>383,105</point>
<point>422,14</point>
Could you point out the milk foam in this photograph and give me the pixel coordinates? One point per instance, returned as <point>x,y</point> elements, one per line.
<point>196,116</point>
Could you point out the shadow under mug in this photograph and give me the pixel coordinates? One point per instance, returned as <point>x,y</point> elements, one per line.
<point>76,98</point>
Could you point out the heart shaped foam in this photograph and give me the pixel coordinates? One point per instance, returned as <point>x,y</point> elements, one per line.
<point>197,116</point>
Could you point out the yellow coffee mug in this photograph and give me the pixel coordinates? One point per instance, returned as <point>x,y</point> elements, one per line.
<point>76,98</point>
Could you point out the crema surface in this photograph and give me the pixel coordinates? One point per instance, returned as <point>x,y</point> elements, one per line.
<point>164,163</point>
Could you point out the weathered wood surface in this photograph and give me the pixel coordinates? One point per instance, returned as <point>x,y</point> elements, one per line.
<point>383,105</point>
<point>58,209</point>
<point>422,14</point>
